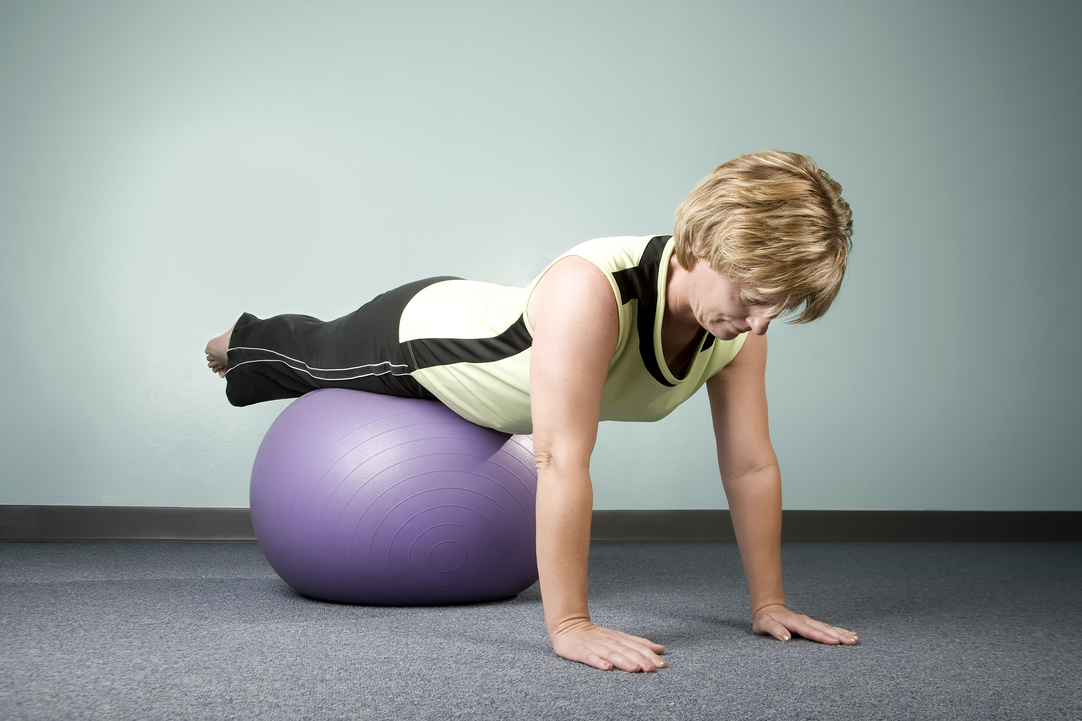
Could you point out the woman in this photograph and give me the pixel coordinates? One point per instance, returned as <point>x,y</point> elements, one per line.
<point>617,329</point>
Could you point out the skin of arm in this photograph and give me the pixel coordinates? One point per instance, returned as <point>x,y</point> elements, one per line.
<point>752,480</point>
<point>573,315</point>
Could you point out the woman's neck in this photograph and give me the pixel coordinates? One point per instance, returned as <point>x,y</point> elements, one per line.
<point>680,332</point>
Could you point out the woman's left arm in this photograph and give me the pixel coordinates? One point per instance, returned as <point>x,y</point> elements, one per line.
<point>752,480</point>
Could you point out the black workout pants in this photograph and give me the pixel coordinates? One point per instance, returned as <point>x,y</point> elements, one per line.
<point>289,355</point>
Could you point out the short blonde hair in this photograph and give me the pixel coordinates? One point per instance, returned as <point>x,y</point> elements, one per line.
<point>773,220</point>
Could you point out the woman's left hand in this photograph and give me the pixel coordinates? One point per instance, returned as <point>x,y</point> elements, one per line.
<point>779,622</point>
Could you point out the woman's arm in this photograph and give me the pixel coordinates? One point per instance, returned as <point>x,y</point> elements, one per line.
<point>752,480</point>
<point>573,315</point>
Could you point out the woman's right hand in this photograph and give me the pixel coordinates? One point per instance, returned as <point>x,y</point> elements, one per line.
<point>575,323</point>
<point>606,649</point>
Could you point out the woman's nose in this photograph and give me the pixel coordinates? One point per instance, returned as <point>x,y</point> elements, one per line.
<point>758,325</point>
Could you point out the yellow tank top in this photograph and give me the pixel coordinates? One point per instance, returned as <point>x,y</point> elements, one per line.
<point>470,342</point>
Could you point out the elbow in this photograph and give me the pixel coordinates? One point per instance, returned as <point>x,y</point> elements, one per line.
<point>543,460</point>
<point>551,463</point>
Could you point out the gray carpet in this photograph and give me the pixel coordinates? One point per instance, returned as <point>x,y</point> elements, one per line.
<point>207,631</point>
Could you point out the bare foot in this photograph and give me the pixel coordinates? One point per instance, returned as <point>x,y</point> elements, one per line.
<point>217,352</point>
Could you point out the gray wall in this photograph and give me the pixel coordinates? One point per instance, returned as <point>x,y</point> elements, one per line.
<point>165,166</point>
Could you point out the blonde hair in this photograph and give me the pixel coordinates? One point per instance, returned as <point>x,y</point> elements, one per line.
<point>775,221</point>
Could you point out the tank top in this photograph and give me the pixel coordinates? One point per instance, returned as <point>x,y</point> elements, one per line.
<point>470,341</point>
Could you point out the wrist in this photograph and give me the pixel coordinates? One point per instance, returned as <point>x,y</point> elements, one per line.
<point>569,625</point>
<point>765,604</point>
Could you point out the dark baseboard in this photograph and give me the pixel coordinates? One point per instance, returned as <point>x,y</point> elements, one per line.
<point>127,523</point>
<point>124,523</point>
<point>846,526</point>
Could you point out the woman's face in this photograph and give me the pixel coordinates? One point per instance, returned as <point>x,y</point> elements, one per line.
<point>723,306</point>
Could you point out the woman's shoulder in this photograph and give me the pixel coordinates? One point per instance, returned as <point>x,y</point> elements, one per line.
<point>613,253</point>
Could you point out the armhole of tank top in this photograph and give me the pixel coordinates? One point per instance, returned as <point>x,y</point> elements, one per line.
<point>739,343</point>
<point>743,337</point>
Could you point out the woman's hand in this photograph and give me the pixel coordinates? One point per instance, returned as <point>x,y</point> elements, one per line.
<point>749,470</point>
<point>778,621</point>
<point>606,649</point>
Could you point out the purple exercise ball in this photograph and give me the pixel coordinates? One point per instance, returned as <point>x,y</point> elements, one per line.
<point>373,499</point>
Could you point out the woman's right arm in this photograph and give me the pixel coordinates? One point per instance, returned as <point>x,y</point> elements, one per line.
<point>573,315</point>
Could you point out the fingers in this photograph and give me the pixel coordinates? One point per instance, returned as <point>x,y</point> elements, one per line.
<point>814,630</point>
<point>630,654</point>
<point>606,649</point>
<point>781,623</point>
<point>640,653</point>
<point>775,629</point>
